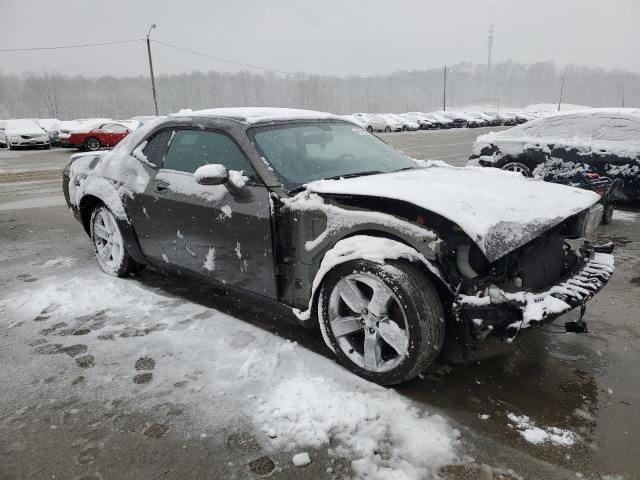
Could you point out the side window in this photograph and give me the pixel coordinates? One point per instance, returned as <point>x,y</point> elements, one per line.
<point>117,128</point>
<point>156,147</point>
<point>570,126</point>
<point>191,149</point>
<point>616,129</point>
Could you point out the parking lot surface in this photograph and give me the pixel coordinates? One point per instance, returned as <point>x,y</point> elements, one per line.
<point>77,402</point>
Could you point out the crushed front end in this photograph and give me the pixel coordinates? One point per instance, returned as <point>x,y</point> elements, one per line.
<point>532,285</point>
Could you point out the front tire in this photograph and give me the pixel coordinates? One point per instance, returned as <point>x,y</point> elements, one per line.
<point>369,129</point>
<point>92,144</point>
<point>108,243</point>
<point>387,129</point>
<point>384,322</point>
<point>518,167</point>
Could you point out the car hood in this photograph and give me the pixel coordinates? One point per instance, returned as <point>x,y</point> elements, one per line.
<point>25,131</point>
<point>500,211</point>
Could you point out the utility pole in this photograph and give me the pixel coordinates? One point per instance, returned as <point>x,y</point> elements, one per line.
<point>561,92</point>
<point>153,80</point>
<point>444,91</point>
<point>623,95</point>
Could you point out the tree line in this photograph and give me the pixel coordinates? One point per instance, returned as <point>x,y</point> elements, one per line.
<point>507,85</point>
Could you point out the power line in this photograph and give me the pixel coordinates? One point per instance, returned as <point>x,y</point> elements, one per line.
<point>241,64</point>
<point>80,45</point>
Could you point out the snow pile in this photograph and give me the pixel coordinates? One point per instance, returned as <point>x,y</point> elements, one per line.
<point>537,435</point>
<point>388,437</point>
<point>500,212</point>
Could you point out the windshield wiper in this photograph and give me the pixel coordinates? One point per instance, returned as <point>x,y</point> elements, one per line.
<point>355,174</point>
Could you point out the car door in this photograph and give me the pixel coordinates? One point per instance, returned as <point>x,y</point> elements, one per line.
<point>206,229</point>
<point>568,137</point>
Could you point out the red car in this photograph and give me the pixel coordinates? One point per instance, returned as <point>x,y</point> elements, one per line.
<point>105,135</point>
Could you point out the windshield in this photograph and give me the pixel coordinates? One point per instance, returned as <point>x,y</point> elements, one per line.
<point>301,153</point>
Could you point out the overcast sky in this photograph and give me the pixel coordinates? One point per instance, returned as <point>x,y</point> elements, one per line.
<point>319,36</point>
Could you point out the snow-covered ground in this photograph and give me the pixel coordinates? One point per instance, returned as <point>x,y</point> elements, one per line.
<point>229,370</point>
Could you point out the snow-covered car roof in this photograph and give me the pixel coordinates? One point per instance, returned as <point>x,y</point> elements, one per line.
<point>563,125</point>
<point>253,115</point>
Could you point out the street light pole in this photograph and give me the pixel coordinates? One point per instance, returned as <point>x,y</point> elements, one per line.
<point>153,80</point>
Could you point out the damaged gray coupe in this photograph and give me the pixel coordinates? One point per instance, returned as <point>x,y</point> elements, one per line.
<point>381,252</point>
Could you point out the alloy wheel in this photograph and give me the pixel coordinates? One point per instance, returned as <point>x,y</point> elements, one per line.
<point>368,322</point>
<point>107,240</point>
<point>93,144</point>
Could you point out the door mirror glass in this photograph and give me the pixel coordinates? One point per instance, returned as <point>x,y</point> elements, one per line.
<point>215,174</point>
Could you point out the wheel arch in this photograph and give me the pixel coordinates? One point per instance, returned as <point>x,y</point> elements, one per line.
<point>428,267</point>
<point>88,203</point>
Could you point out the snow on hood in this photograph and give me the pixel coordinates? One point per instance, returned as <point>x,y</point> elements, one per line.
<point>35,130</point>
<point>499,210</point>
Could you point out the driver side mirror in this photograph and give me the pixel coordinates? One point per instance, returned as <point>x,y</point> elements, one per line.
<point>215,174</point>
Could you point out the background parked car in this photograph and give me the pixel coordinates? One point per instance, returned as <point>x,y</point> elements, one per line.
<point>22,133</point>
<point>103,135</point>
<point>51,126</point>
<point>602,141</point>
<point>407,124</point>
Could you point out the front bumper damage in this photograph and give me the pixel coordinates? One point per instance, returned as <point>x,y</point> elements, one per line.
<point>495,311</point>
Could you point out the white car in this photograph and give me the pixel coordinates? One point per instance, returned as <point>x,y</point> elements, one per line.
<point>22,133</point>
<point>407,123</point>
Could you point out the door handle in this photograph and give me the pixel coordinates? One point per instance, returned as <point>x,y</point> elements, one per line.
<point>161,186</point>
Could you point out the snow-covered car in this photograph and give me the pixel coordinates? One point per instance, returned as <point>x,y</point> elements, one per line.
<point>23,133</point>
<point>457,119</point>
<point>381,252</point>
<point>382,123</point>
<point>406,124</point>
<point>602,141</point>
<point>423,120</point>
<point>372,123</point>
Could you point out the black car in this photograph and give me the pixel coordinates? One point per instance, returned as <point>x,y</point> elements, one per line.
<point>602,141</point>
<point>311,211</point>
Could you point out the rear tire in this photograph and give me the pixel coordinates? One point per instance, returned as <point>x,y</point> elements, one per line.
<point>406,311</point>
<point>387,129</point>
<point>369,129</point>
<point>108,243</point>
<point>607,214</point>
<point>92,144</point>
